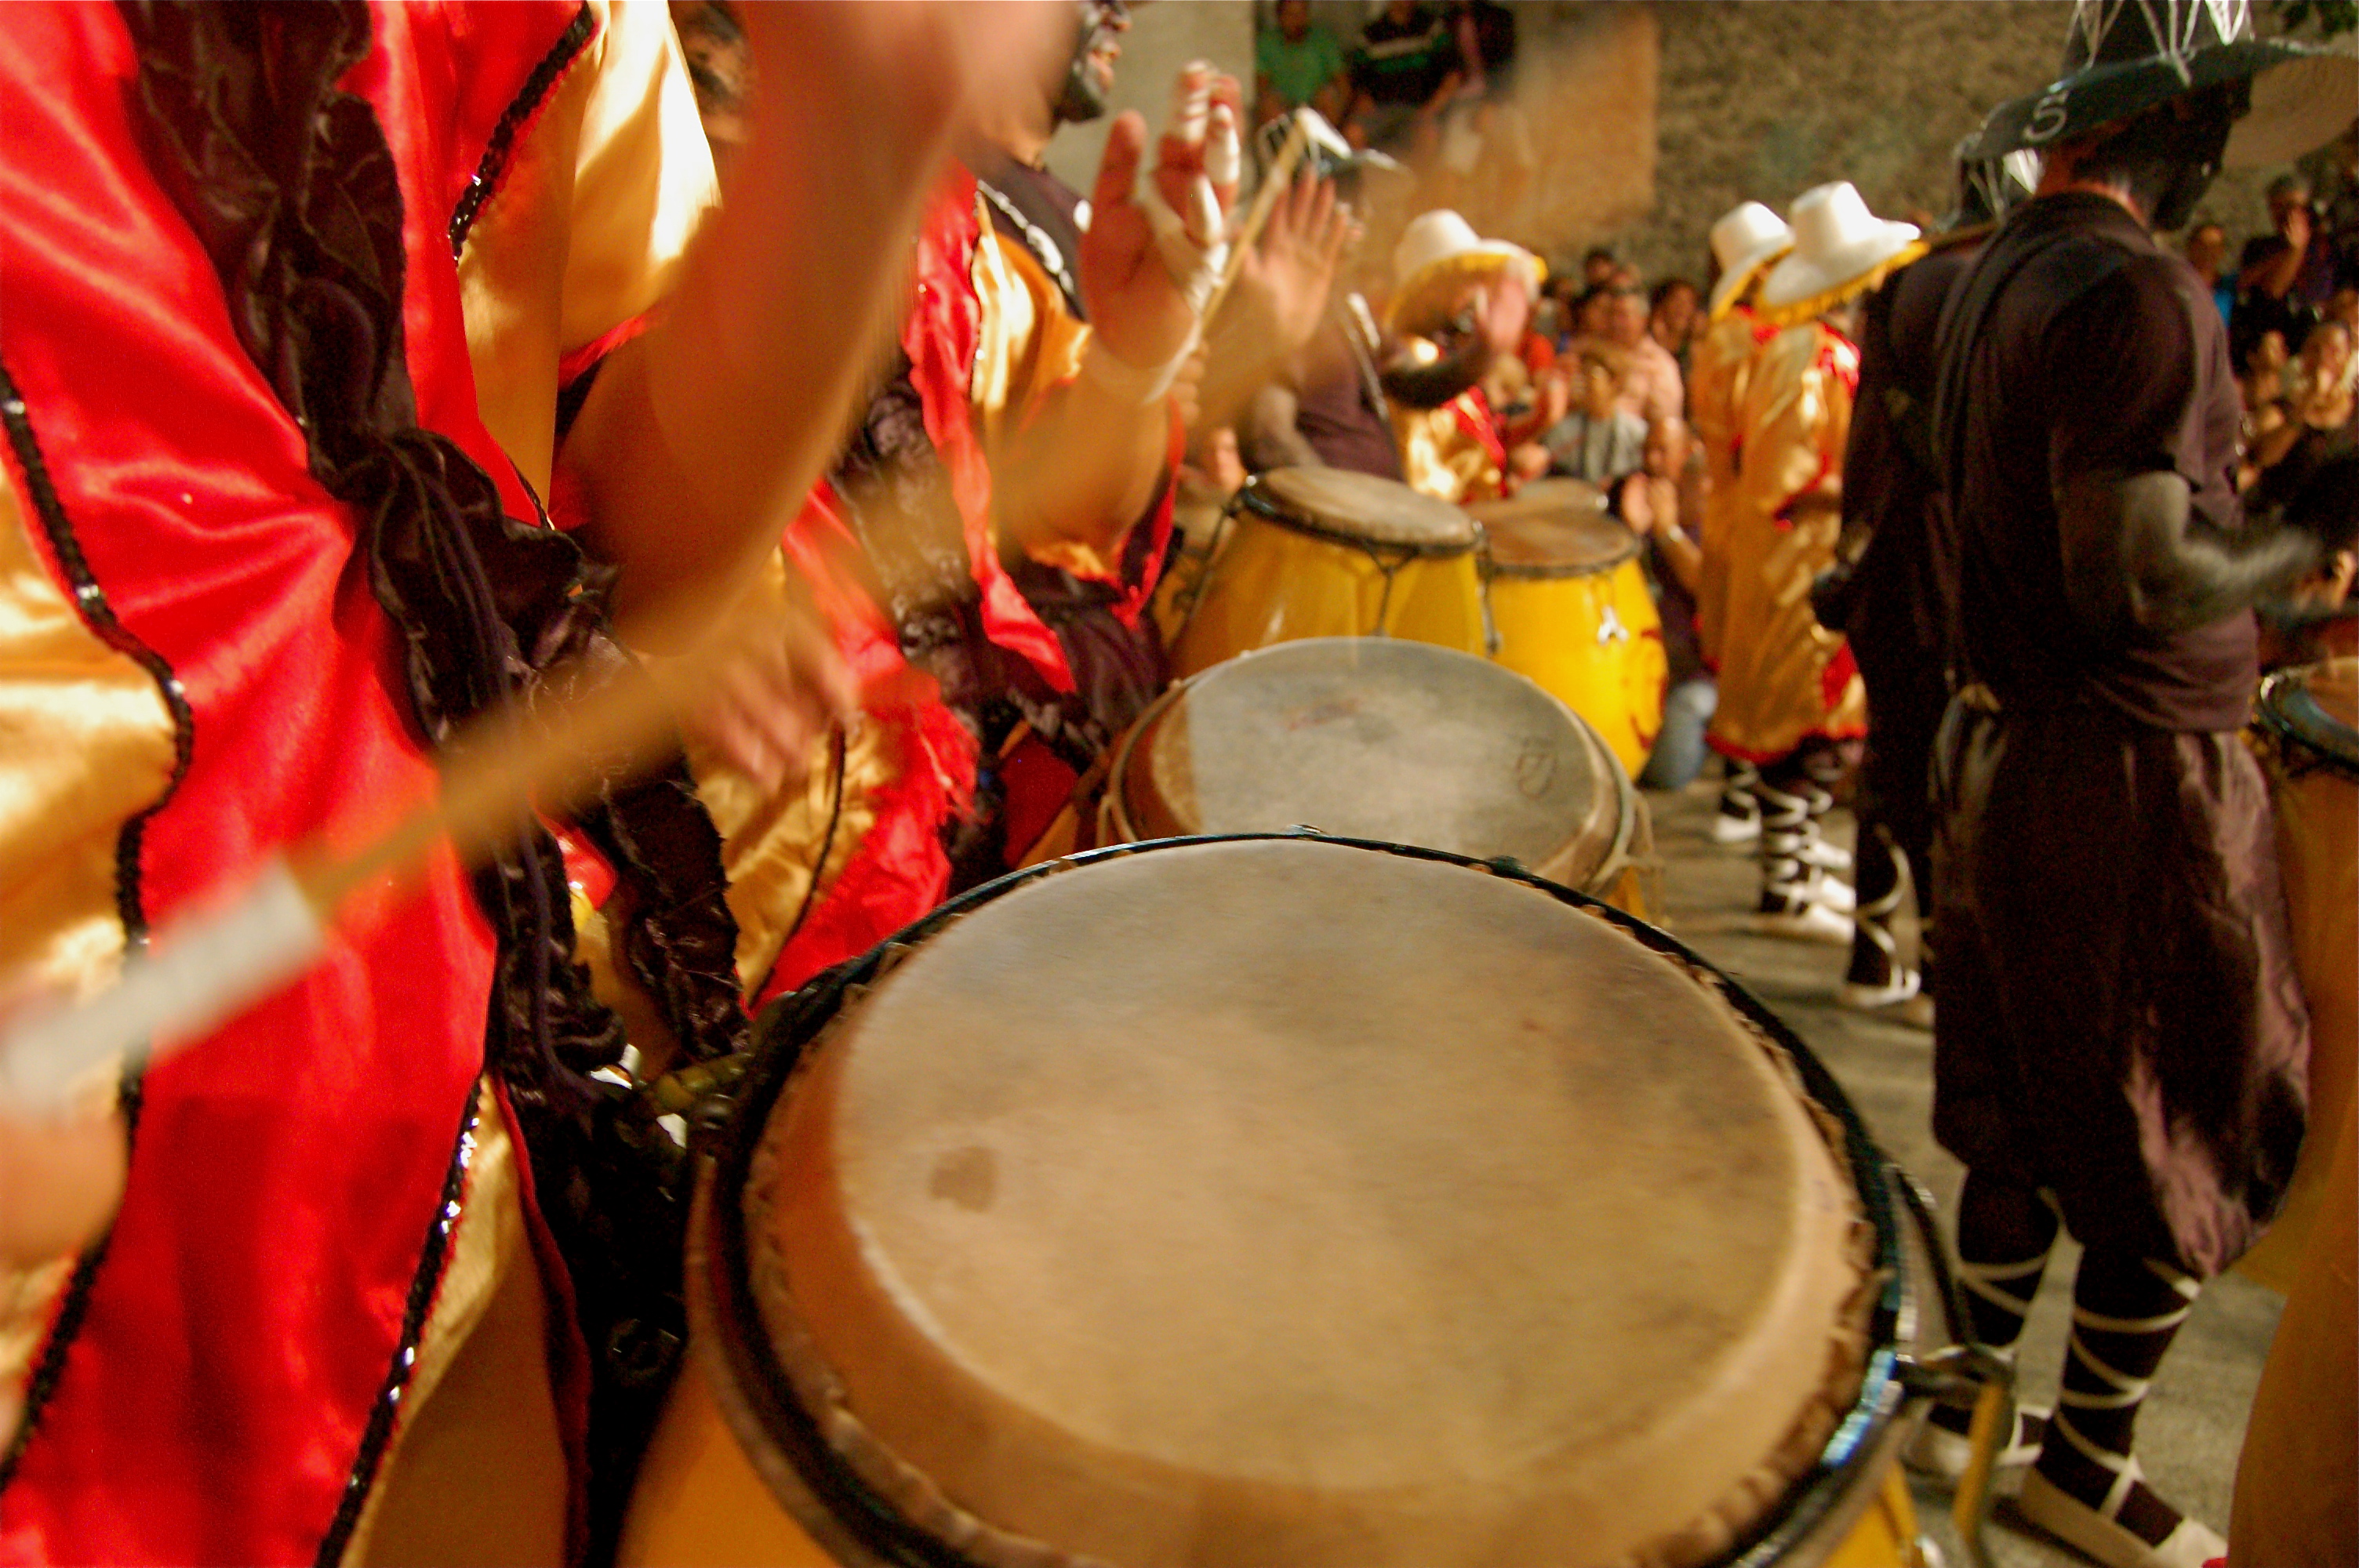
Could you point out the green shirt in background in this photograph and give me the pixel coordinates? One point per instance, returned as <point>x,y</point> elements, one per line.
<point>1297,71</point>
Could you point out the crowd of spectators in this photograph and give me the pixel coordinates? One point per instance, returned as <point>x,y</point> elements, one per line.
<point>2292,304</point>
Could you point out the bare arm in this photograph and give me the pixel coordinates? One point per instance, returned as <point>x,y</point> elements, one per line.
<point>2140,562</point>
<point>701,437</point>
<point>1268,438</point>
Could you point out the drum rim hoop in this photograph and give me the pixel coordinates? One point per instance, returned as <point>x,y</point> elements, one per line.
<point>2290,713</point>
<point>1256,498</point>
<point>759,1391</point>
<point>1144,728</point>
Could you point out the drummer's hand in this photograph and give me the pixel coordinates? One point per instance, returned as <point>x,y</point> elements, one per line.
<point>1287,274</point>
<point>1528,463</point>
<point>1637,504</point>
<point>770,706</point>
<point>1135,307</point>
<point>1555,396</point>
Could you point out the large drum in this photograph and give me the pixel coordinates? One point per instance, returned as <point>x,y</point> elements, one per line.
<point>2306,728</point>
<point>1568,606</point>
<point>1315,552</point>
<point>1286,1200</point>
<point>1371,738</point>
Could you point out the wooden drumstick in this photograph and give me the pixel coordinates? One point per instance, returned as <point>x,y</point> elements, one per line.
<point>212,964</point>
<point>1274,183</point>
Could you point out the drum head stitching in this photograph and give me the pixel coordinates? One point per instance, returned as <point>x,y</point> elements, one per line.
<point>762,1392</point>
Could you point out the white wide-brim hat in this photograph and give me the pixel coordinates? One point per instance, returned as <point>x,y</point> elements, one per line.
<point>1840,250</point>
<point>1440,246</point>
<point>1747,237</point>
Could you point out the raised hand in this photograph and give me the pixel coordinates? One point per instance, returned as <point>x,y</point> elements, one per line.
<point>1139,310</point>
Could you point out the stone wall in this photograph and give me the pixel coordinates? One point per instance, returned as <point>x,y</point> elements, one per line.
<point>1756,98</point>
<point>1162,38</point>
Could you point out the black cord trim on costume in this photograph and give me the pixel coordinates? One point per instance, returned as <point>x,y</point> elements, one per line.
<point>71,1312</point>
<point>91,603</point>
<point>493,163</point>
<point>378,1433</point>
<point>130,906</point>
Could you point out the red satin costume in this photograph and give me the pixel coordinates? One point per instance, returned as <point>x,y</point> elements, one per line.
<point>216,1371</point>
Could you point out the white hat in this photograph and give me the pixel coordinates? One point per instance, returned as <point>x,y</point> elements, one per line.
<point>1840,249</point>
<point>1441,246</point>
<point>1747,238</point>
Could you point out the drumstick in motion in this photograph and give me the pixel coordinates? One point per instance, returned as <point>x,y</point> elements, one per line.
<point>1274,182</point>
<point>212,963</point>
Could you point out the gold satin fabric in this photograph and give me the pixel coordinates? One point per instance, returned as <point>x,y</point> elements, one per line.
<point>1719,373</point>
<point>1775,654</point>
<point>589,224</point>
<point>476,1470</point>
<point>85,745</point>
<point>1441,460</point>
<point>1028,347</point>
<point>771,841</point>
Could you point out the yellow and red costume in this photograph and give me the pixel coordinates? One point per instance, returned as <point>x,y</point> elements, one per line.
<point>952,651</point>
<point>1783,677</point>
<point>224,628</point>
<point>1456,452</point>
<point>1719,374</point>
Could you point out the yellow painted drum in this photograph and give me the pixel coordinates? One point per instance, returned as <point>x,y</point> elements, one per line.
<point>2306,729</point>
<point>1374,738</point>
<point>1281,1202</point>
<point>1569,607</point>
<point>1315,552</point>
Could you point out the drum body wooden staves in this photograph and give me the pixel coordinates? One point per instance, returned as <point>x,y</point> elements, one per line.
<point>1328,553</point>
<point>1248,1202</point>
<point>1569,604</point>
<point>2307,734</point>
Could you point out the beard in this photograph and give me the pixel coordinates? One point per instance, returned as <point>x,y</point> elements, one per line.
<point>1080,96</point>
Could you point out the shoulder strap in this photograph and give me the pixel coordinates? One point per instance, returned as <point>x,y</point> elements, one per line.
<point>1967,313</point>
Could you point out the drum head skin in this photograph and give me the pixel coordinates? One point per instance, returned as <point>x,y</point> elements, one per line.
<point>1374,738</point>
<point>1553,528</point>
<point>1360,506</point>
<point>1278,1202</point>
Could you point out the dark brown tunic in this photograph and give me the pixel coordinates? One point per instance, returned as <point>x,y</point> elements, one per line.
<point>2119,1019</point>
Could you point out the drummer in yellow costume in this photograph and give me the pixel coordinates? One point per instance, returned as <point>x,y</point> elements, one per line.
<point>1746,239</point>
<point>1788,689</point>
<point>1461,302</point>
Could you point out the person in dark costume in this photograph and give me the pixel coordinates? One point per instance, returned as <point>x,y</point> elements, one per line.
<point>2121,1045</point>
<point>1885,597</point>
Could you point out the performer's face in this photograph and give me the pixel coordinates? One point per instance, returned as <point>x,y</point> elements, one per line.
<point>1088,88</point>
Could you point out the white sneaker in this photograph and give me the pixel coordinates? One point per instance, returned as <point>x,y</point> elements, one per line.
<point>2074,1522</point>
<point>1806,922</point>
<point>1824,889</point>
<point>1826,856</point>
<point>1732,828</point>
<point>1904,986</point>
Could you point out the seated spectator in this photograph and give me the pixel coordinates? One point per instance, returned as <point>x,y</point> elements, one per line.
<point>1673,315</point>
<point>2286,275</point>
<point>1298,65</point>
<point>1405,70</point>
<point>2317,424</point>
<point>2207,253</point>
<point>1598,266</point>
<point>1594,439</point>
<point>1592,317</point>
<point>1653,389</point>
